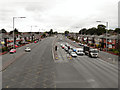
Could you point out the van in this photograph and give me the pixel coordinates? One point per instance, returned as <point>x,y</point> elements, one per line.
<point>80,51</point>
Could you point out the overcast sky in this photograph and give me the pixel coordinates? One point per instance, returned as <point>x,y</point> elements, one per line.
<point>59,15</point>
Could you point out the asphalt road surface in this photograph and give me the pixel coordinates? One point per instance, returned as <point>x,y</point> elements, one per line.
<point>83,71</point>
<point>35,69</point>
<point>38,69</point>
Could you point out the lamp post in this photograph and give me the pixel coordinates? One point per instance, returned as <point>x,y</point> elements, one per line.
<point>106,32</point>
<point>13,30</point>
<point>31,32</point>
<point>39,35</point>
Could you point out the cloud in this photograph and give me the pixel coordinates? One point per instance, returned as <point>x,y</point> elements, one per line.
<point>59,14</point>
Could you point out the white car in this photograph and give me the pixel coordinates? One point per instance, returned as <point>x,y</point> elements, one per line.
<point>69,51</point>
<point>66,44</point>
<point>27,49</point>
<point>61,44</point>
<point>60,39</point>
<point>66,48</point>
<point>74,41</point>
<point>73,54</point>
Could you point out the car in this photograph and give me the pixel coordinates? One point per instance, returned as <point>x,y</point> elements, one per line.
<point>79,51</point>
<point>60,39</point>
<point>35,41</point>
<point>16,46</point>
<point>73,54</point>
<point>66,44</point>
<point>63,46</point>
<point>74,49</point>
<point>66,48</point>
<point>82,44</point>
<point>27,49</point>
<point>69,51</point>
<point>26,42</point>
<point>71,47</point>
<point>13,51</point>
<point>74,41</point>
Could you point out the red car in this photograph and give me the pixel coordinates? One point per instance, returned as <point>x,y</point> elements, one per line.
<point>13,51</point>
<point>35,41</point>
<point>63,46</point>
<point>16,46</point>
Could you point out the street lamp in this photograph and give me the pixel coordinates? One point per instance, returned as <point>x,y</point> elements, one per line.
<point>106,32</point>
<point>31,32</point>
<point>14,28</point>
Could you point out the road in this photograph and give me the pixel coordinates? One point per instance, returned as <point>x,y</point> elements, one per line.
<point>38,69</point>
<point>83,71</point>
<point>34,69</point>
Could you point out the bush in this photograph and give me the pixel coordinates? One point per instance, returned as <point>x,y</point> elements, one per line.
<point>92,44</point>
<point>110,49</point>
<point>4,49</point>
<point>116,52</point>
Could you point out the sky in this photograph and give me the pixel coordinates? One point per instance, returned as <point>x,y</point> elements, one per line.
<point>59,15</point>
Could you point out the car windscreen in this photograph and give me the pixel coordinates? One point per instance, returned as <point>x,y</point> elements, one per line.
<point>94,51</point>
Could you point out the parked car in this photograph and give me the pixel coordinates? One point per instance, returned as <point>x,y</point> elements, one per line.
<point>74,41</point>
<point>66,44</point>
<point>61,44</point>
<point>12,51</point>
<point>73,54</point>
<point>16,46</point>
<point>60,39</point>
<point>80,44</point>
<point>27,49</point>
<point>35,41</point>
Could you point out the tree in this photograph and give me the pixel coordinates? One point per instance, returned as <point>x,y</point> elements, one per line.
<point>3,31</point>
<point>66,32</point>
<point>91,31</point>
<point>101,29</point>
<point>117,30</point>
<point>51,32</point>
<point>36,32</point>
<point>44,35</point>
<point>56,32</point>
<point>11,32</point>
<point>101,26</point>
<point>83,31</point>
<point>110,31</point>
<point>15,31</point>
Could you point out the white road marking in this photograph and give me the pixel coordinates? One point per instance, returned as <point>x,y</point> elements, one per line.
<point>80,81</point>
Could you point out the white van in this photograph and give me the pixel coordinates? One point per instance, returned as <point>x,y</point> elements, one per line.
<point>80,51</point>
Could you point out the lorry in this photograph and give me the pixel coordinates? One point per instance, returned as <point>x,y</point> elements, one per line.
<point>91,52</point>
